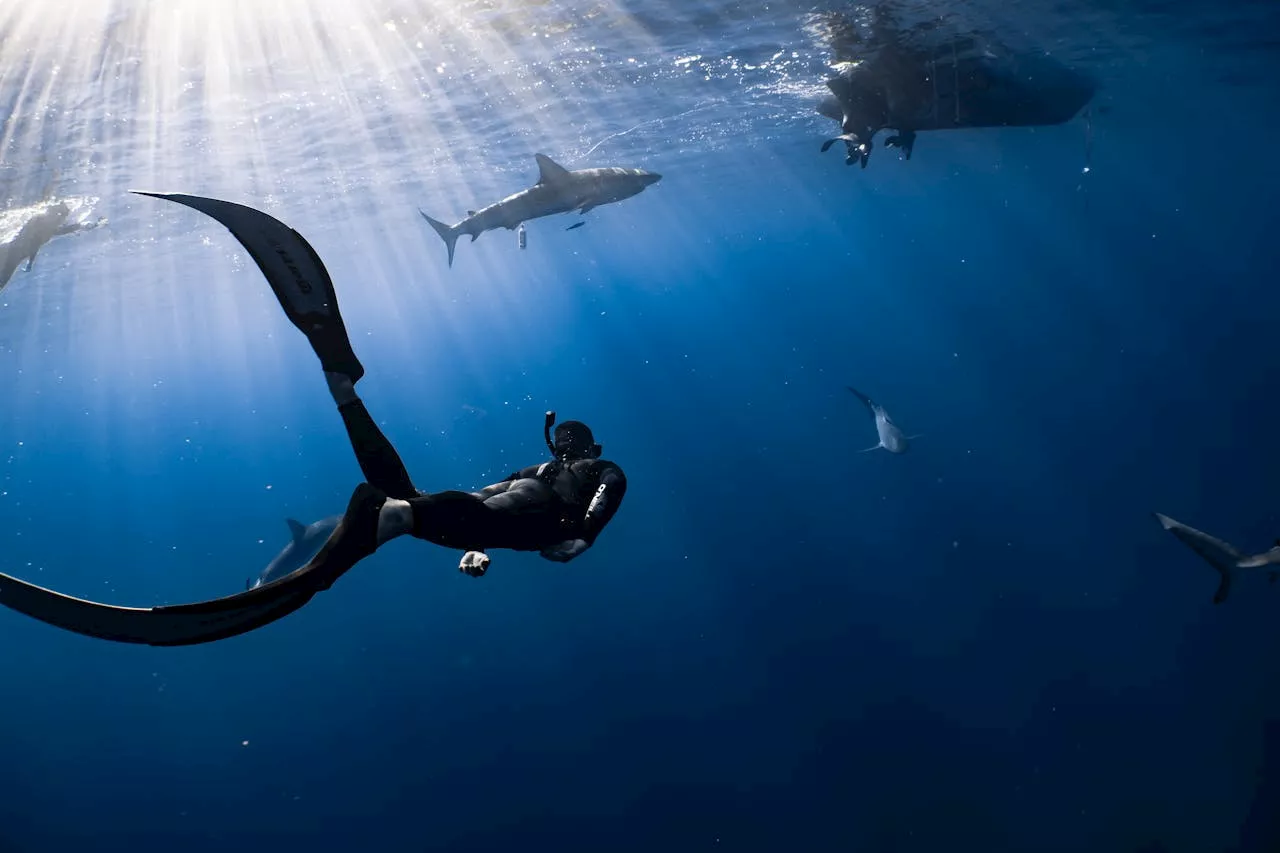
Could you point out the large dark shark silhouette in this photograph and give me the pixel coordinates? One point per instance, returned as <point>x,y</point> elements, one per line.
<point>897,80</point>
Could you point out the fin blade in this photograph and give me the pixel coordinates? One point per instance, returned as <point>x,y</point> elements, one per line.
<point>292,268</point>
<point>296,529</point>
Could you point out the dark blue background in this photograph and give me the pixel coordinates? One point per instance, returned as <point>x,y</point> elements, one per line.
<point>781,643</point>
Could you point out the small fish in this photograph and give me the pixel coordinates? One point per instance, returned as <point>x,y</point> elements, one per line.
<point>522,238</point>
<point>576,225</point>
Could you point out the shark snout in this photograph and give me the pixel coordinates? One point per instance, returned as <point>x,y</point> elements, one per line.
<point>648,178</point>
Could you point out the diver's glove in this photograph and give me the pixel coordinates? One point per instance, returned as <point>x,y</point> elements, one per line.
<point>565,551</point>
<point>474,563</point>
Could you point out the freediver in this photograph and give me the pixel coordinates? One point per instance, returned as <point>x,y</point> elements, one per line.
<point>557,508</point>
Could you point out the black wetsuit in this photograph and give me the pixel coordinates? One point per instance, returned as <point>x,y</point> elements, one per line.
<point>535,508</point>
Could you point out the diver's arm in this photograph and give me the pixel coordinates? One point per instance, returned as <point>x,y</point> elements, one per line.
<point>604,503</point>
<point>505,483</point>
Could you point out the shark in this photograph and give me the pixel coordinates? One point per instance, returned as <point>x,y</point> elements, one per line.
<point>558,190</point>
<point>891,437</point>
<point>25,230</point>
<point>304,542</point>
<point>1224,557</point>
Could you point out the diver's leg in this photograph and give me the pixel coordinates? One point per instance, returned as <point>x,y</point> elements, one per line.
<point>452,519</point>
<point>525,517</point>
<point>357,536</point>
<point>378,459</point>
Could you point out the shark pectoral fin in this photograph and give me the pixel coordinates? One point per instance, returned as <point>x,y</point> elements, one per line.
<point>296,529</point>
<point>585,208</point>
<point>1224,588</point>
<point>869,449</point>
<point>914,437</point>
<point>549,171</point>
<point>31,261</point>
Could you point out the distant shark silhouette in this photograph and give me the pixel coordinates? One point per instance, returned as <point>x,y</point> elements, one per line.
<point>891,79</point>
<point>891,437</point>
<point>305,541</point>
<point>24,230</point>
<point>1223,556</point>
<point>558,190</point>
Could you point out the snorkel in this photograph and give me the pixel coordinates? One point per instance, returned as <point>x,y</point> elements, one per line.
<point>547,423</point>
<point>584,446</point>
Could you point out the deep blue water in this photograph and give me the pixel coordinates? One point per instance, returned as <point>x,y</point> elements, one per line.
<point>780,643</point>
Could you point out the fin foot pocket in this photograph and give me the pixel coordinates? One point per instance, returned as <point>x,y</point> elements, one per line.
<point>332,346</point>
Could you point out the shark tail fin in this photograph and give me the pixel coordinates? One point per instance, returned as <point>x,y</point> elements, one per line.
<point>448,233</point>
<point>866,401</point>
<point>1223,557</point>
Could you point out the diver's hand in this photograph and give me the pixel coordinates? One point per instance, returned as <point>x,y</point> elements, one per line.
<point>565,551</point>
<point>474,563</point>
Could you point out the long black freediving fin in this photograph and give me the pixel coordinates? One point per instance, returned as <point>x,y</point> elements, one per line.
<point>295,272</point>
<point>217,619</point>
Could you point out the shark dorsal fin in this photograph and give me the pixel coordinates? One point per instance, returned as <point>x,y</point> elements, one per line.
<point>471,213</point>
<point>549,171</point>
<point>296,529</point>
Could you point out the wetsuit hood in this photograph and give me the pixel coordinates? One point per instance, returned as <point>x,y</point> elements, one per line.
<point>573,440</point>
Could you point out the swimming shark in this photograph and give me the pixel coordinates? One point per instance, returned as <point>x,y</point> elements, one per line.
<point>891,438</point>
<point>25,230</point>
<point>558,190</point>
<point>1224,557</point>
<point>304,543</point>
